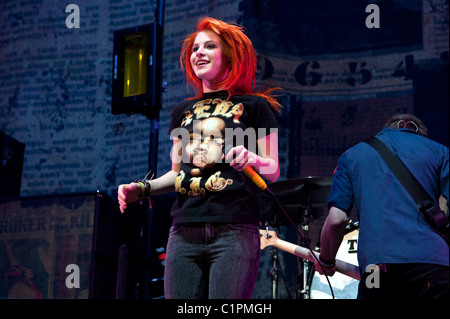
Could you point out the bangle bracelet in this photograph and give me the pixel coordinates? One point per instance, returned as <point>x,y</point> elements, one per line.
<point>142,188</point>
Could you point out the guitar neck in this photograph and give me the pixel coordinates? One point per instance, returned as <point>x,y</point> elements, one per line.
<point>341,266</point>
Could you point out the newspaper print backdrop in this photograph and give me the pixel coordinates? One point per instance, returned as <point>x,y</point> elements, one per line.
<point>340,80</point>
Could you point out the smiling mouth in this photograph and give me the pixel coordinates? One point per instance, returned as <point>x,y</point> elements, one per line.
<point>202,63</point>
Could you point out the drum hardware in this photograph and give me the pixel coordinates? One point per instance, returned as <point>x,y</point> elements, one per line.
<point>316,192</point>
<point>304,263</point>
<point>303,200</point>
<point>345,285</point>
<point>275,269</point>
<point>314,189</point>
<point>345,280</point>
<point>306,194</point>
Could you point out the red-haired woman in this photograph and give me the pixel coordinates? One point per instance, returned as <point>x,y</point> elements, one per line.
<point>213,248</point>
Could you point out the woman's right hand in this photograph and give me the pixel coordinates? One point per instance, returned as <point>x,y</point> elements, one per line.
<point>128,193</point>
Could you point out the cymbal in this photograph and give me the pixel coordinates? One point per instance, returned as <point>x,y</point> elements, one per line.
<point>322,181</point>
<point>305,191</point>
<point>296,195</point>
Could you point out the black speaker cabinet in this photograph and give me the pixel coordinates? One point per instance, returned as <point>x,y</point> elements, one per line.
<point>11,165</point>
<point>59,246</point>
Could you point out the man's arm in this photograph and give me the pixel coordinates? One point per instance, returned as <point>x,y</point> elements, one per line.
<point>333,232</point>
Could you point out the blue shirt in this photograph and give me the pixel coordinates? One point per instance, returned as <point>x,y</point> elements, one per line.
<point>392,229</point>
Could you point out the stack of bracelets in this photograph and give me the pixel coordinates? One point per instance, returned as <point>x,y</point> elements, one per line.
<point>146,188</point>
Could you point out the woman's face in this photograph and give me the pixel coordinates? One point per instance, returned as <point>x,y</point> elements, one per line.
<point>207,60</point>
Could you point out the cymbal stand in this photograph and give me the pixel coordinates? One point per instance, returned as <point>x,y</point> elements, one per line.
<point>306,220</point>
<point>274,270</point>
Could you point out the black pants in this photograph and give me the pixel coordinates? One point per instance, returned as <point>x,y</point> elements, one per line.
<point>401,281</point>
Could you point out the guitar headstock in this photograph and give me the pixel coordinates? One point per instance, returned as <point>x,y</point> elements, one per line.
<point>267,237</point>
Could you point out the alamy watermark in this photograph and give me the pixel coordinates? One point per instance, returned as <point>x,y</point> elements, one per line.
<point>372,20</point>
<point>213,143</point>
<point>373,278</point>
<point>73,19</point>
<point>73,279</point>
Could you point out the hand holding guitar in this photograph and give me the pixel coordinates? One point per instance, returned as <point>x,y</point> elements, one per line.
<point>324,267</point>
<point>270,238</point>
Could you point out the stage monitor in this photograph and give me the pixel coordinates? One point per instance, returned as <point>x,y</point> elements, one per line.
<point>136,78</point>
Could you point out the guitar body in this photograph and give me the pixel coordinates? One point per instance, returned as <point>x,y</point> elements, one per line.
<point>270,238</point>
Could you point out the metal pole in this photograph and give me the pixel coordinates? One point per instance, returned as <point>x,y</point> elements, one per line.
<point>154,127</point>
<point>157,86</point>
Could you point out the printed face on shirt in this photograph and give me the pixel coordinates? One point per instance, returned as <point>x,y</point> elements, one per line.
<point>207,60</point>
<point>207,142</point>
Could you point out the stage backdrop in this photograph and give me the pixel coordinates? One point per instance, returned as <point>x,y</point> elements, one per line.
<point>341,79</point>
<point>59,246</point>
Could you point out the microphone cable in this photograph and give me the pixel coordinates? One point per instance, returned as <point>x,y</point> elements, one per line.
<point>302,238</point>
<point>255,178</point>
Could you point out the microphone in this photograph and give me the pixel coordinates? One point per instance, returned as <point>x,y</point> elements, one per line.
<point>250,173</point>
<point>254,177</point>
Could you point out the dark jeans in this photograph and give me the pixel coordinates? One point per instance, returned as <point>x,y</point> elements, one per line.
<point>402,281</point>
<point>215,261</point>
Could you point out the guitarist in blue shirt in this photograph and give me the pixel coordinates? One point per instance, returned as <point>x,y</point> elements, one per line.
<point>409,258</point>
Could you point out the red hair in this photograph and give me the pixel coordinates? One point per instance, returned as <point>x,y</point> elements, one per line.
<point>239,50</point>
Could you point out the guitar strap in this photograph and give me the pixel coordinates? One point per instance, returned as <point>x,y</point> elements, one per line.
<point>433,215</point>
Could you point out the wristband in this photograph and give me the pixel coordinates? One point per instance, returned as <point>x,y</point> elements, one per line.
<point>147,189</point>
<point>326,264</point>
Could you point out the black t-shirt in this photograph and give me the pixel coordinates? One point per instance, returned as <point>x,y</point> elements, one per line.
<point>218,192</point>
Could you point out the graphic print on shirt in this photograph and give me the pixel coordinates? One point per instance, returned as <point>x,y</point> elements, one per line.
<point>206,123</point>
<point>214,183</point>
<point>222,108</point>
